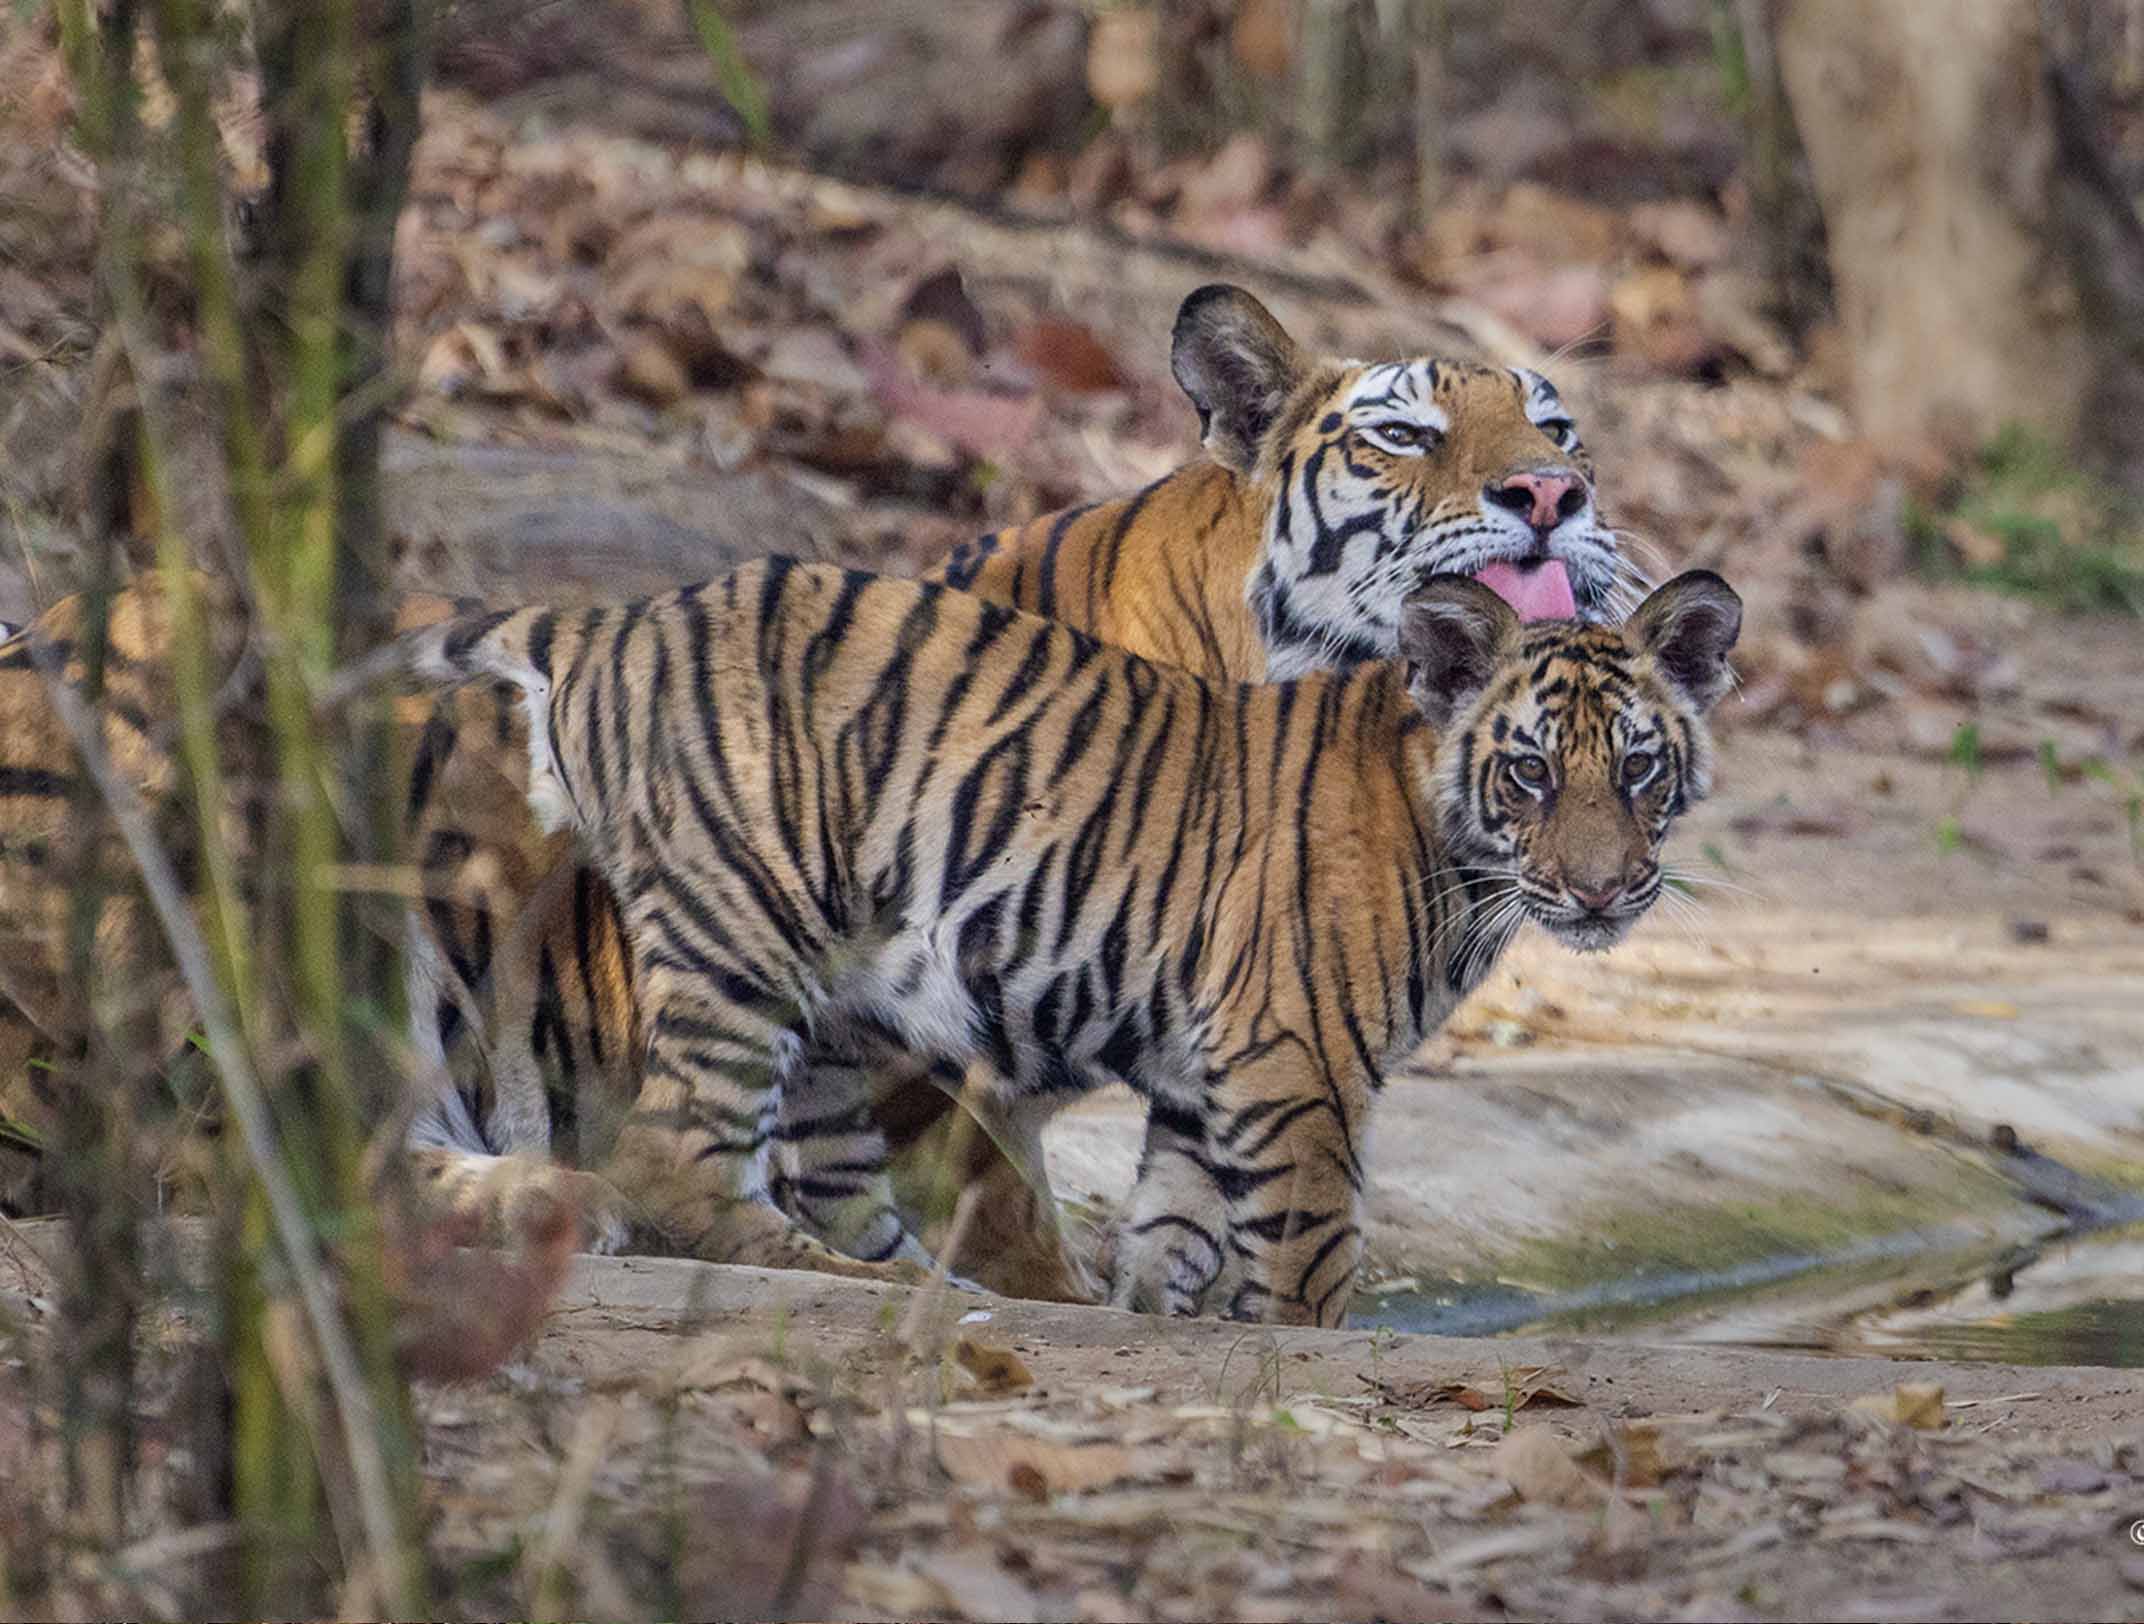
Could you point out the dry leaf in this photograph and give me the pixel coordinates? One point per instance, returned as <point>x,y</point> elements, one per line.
<point>717,1365</point>
<point>1682,232</point>
<point>460,1313</point>
<point>983,423</point>
<point>1069,356</point>
<point>942,297</point>
<point>1536,1464</point>
<point>744,1536</point>
<point>771,1417</point>
<point>1910,1404</point>
<point>996,1370</point>
<point>1554,227</point>
<point>651,374</point>
<point>971,1578</point>
<point>1553,305</point>
<point>1263,38</point>
<point>1234,179</point>
<point>1731,309</point>
<point>1633,1461</point>
<point>1005,1460</point>
<point>1518,1387</point>
<point>1656,318</point>
<point>935,352</point>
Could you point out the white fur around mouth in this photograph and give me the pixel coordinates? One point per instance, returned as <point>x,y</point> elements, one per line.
<point>1587,934</point>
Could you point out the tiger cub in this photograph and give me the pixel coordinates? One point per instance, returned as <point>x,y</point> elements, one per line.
<point>1331,487</point>
<point>842,812</point>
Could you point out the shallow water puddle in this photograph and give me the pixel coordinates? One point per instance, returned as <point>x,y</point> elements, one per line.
<point>2065,1300</point>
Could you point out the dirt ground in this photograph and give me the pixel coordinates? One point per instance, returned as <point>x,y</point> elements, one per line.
<point>713,1441</point>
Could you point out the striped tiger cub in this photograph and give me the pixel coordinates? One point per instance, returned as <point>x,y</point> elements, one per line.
<point>1331,488</point>
<point>843,812</point>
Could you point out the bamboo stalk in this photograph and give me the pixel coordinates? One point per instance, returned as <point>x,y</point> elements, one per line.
<point>104,1285</point>
<point>249,1110</point>
<point>1430,31</point>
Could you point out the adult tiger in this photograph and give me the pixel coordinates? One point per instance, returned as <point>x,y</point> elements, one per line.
<point>842,810</point>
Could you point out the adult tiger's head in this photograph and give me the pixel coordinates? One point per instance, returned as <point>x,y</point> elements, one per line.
<point>1565,751</point>
<point>1381,474</point>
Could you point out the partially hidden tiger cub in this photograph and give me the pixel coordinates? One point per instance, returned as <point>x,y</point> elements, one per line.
<point>842,812</point>
<point>46,1017</point>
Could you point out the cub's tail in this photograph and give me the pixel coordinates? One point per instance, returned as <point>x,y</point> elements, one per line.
<point>522,647</point>
<point>496,645</point>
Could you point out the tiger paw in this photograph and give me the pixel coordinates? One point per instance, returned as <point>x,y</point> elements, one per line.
<point>756,1235</point>
<point>606,1215</point>
<point>1163,1265</point>
<point>520,1191</point>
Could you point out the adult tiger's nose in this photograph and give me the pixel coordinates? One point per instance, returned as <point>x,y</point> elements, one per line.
<point>1542,500</point>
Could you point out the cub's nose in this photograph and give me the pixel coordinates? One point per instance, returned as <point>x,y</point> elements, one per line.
<point>1542,500</point>
<point>1595,899</point>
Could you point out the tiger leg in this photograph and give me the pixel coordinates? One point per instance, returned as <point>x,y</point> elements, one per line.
<point>933,1117</point>
<point>1286,1144</point>
<point>1171,1241</point>
<point>1016,1238</point>
<point>830,1167</point>
<point>693,1154</point>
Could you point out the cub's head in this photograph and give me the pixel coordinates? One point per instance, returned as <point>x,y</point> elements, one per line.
<point>1379,475</point>
<point>1564,751</point>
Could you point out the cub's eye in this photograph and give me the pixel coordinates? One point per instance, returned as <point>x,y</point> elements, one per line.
<point>1638,768</point>
<point>1399,435</point>
<point>1530,773</point>
<point>1561,430</point>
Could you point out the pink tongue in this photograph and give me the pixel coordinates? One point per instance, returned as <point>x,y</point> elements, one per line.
<point>1540,592</point>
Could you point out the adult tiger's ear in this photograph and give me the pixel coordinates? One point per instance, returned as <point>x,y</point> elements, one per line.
<point>1453,634</point>
<point>1689,626</point>
<point>1238,365</point>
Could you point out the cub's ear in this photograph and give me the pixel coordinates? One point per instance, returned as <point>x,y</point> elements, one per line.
<point>1238,365</point>
<point>1688,626</point>
<point>1453,633</point>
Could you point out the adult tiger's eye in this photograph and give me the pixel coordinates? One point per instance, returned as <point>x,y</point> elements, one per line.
<point>1531,772</point>
<point>1638,767</point>
<point>1561,430</point>
<point>1397,436</point>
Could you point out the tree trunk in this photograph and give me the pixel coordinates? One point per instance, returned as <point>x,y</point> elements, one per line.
<point>1930,136</point>
<point>1329,85</point>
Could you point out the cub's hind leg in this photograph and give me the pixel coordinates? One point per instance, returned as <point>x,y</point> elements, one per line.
<point>693,1154</point>
<point>989,1149</point>
<point>830,1170</point>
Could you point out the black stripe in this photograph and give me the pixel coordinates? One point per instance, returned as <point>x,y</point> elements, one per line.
<point>1046,589</point>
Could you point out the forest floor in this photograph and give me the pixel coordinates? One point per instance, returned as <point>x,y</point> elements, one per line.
<point>633,363</point>
<point>691,1440</point>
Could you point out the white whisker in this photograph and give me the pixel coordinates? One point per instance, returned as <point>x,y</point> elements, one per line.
<point>1632,542</point>
<point>1682,876</point>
